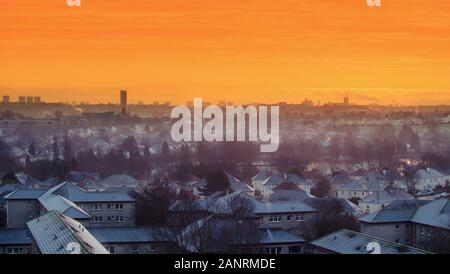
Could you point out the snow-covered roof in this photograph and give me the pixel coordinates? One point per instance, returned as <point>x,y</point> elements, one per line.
<point>55,233</point>
<point>52,201</point>
<point>287,177</point>
<point>350,242</point>
<point>386,195</point>
<point>427,173</point>
<point>435,213</point>
<point>289,195</point>
<point>120,180</point>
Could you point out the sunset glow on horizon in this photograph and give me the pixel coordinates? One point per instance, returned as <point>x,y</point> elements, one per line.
<point>234,50</point>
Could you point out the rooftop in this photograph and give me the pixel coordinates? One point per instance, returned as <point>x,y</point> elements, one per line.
<point>55,233</point>
<point>15,236</point>
<point>349,242</point>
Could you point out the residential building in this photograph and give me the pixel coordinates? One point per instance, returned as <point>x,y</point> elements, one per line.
<point>22,206</point>
<point>275,241</point>
<point>135,240</point>
<point>381,198</point>
<point>424,224</point>
<point>362,187</point>
<point>429,178</point>
<point>15,241</point>
<point>89,208</point>
<point>263,186</point>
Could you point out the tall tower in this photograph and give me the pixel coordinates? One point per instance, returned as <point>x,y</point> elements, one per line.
<point>346,100</point>
<point>123,101</point>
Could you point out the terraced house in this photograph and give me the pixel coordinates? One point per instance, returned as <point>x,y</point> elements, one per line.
<point>423,224</point>
<point>92,209</point>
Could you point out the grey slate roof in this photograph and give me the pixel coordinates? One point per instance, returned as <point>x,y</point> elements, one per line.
<point>120,180</point>
<point>237,185</point>
<point>287,177</point>
<point>53,201</point>
<point>397,211</point>
<point>371,182</point>
<point>386,195</point>
<point>426,173</point>
<point>349,242</point>
<point>76,194</point>
<point>30,194</point>
<point>289,195</point>
<point>53,232</point>
<point>15,236</point>
<point>346,205</point>
<point>133,234</point>
<point>435,213</point>
<point>281,207</point>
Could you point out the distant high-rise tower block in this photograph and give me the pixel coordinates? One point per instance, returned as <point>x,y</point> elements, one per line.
<point>123,101</point>
<point>22,99</point>
<point>346,100</point>
<point>6,99</point>
<point>37,99</point>
<point>30,99</point>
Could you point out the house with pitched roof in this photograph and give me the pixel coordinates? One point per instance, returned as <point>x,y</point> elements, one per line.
<point>381,198</point>
<point>421,223</point>
<point>429,178</point>
<point>135,240</point>
<point>15,241</point>
<point>89,208</point>
<point>264,183</point>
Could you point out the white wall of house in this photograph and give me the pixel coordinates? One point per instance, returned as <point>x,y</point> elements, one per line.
<point>350,193</point>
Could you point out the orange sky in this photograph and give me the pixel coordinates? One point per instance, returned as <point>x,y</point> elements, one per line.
<point>235,50</point>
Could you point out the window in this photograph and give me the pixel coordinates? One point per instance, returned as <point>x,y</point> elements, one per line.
<point>261,220</point>
<point>407,226</point>
<point>30,203</point>
<point>119,219</point>
<point>272,250</point>
<point>119,206</point>
<point>289,218</point>
<point>299,218</point>
<point>422,230</point>
<point>294,249</point>
<point>275,219</point>
<point>97,219</point>
<point>109,206</point>
<point>13,250</point>
<point>110,219</point>
<point>428,231</point>
<point>111,249</point>
<point>397,227</point>
<point>96,207</point>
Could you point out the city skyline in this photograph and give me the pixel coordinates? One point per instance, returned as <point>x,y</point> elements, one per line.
<point>268,51</point>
